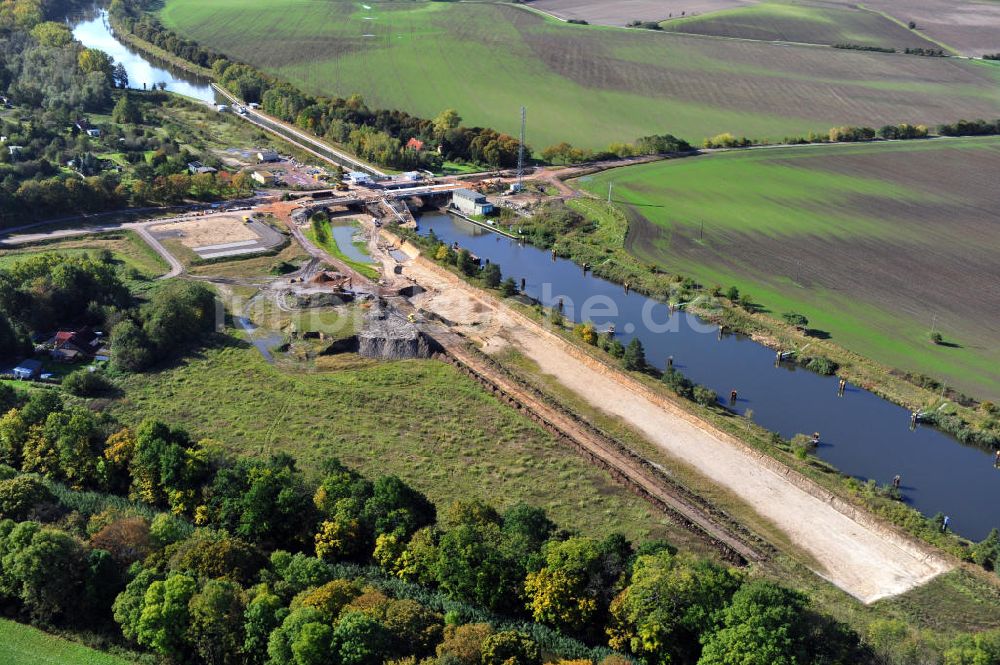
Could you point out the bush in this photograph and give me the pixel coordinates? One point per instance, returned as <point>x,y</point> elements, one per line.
<point>705,396</point>
<point>20,495</point>
<point>821,365</point>
<point>85,383</point>
<point>466,263</point>
<point>795,319</point>
<point>936,338</point>
<point>491,275</point>
<point>679,383</point>
<point>727,140</point>
<point>634,358</point>
<point>8,398</point>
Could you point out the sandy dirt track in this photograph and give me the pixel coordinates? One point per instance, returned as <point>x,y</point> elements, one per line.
<point>867,562</point>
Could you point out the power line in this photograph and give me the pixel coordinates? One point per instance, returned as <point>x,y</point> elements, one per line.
<point>520,151</point>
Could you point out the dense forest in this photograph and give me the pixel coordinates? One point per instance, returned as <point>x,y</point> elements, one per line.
<point>166,543</point>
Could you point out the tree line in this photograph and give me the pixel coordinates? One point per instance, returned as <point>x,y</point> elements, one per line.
<point>210,559</point>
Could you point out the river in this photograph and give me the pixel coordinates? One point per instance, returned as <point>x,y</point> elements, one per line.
<point>92,30</point>
<point>861,434</point>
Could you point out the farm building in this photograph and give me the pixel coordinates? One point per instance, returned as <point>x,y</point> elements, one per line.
<point>267,156</point>
<point>358,178</point>
<point>470,202</point>
<point>263,177</point>
<point>28,369</point>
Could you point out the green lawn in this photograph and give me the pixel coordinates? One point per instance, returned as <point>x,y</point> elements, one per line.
<point>422,420</point>
<point>24,645</point>
<point>587,85</point>
<point>126,247</point>
<point>875,244</point>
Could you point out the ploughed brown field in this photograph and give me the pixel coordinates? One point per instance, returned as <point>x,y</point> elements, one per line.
<point>877,244</point>
<point>970,27</point>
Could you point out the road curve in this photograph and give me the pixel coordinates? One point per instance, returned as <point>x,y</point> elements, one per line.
<point>176,268</point>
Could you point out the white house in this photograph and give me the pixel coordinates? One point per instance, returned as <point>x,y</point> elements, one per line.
<point>28,369</point>
<point>358,178</point>
<point>470,202</point>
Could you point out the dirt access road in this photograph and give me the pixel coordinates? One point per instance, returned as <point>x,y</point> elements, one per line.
<point>852,551</point>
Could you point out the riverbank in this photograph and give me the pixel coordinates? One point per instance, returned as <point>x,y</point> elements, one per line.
<point>155,51</point>
<point>602,249</point>
<point>863,495</point>
<point>848,547</point>
<point>488,227</point>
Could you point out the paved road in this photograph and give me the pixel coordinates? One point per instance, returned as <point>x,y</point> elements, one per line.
<point>11,238</point>
<point>176,268</point>
<point>294,135</point>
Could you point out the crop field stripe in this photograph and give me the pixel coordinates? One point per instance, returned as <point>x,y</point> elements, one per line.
<point>584,84</point>
<point>804,23</point>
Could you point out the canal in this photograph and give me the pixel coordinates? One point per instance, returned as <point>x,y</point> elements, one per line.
<point>91,29</point>
<point>861,434</point>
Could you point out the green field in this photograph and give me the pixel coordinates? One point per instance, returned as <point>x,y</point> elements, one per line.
<point>804,22</point>
<point>24,645</point>
<point>584,84</point>
<point>422,420</point>
<point>875,244</point>
<point>126,247</point>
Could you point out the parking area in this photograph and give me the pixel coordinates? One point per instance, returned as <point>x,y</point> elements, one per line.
<point>220,235</point>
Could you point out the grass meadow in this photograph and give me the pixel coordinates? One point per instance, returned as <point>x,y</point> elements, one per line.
<point>588,85</point>
<point>877,244</point>
<point>24,645</point>
<point>419,419</point>
<point>126,247</point>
